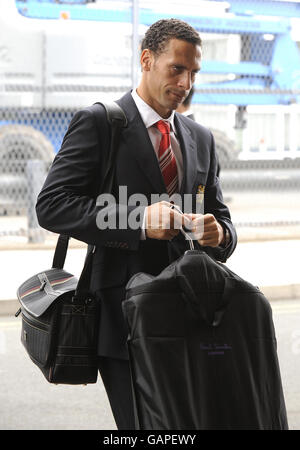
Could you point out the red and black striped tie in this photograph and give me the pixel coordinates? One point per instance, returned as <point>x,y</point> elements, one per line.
<point>166,158</point>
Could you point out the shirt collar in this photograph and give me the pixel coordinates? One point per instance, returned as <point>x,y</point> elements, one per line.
<point>149,116</point>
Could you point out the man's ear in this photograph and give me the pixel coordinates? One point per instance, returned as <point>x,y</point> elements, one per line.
<point>146,60</point>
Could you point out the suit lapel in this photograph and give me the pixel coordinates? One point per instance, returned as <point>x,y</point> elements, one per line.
<point>139,146</point>
<point>189,149</point>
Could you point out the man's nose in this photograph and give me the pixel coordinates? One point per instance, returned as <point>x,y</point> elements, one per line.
<point>185,81</point>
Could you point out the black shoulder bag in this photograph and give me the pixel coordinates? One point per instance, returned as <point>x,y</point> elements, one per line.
<point>60,317</point>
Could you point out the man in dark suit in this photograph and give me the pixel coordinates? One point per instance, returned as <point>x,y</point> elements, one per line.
<point>160,151</point>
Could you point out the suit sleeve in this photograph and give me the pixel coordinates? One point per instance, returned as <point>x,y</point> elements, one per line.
<point>214,204</point>
<point>67,203</point>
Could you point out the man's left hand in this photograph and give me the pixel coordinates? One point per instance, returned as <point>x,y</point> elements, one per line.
<point>206,229</point>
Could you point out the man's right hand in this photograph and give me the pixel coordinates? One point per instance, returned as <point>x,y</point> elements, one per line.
<point>162,222</point>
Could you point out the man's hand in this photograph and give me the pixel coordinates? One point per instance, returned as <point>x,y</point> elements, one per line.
<point>206,230</point>
<point>162,222</point>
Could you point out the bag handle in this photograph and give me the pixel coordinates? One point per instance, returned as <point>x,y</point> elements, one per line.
<point>117,120</point>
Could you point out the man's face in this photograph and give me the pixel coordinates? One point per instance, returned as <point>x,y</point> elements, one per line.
<point>168,78</point>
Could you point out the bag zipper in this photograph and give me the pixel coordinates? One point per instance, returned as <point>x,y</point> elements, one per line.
<point>35,324</point>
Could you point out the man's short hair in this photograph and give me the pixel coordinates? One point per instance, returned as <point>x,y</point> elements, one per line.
<point>162,31</point>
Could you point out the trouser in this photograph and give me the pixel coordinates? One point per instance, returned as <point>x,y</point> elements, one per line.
<point>115,374</point>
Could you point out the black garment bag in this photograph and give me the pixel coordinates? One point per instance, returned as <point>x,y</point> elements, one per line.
<point>202,350</point>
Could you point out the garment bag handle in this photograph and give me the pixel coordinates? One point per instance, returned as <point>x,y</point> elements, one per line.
<point>183,230</point>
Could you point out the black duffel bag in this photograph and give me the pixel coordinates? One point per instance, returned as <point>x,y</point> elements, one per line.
<point>60,321</point>
<point>60,317</point>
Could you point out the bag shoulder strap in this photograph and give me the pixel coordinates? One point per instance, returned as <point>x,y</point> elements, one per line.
<point>114,112</point>
<point>117,120</point>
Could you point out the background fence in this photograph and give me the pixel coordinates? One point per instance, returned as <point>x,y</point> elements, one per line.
<point>59,56</point>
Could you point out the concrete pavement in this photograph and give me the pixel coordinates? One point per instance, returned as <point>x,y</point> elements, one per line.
<point>271,264</point>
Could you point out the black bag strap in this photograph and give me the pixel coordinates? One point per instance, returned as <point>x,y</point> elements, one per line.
<point>60,252</point>
<point>117,120</point>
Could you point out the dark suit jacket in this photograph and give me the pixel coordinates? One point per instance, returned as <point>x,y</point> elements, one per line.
<point>67,204</point>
